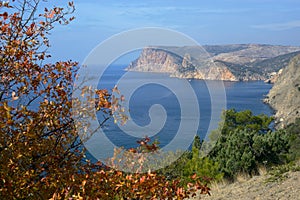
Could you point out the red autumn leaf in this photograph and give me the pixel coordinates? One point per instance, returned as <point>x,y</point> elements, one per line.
<point>4,15</point>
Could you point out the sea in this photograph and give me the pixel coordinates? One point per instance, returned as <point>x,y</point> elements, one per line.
<point>172,109</point>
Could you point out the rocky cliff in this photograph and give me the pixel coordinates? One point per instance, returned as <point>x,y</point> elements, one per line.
<point>215,62</point>
<point>284,97</point>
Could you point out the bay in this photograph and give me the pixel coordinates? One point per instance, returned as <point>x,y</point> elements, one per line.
<point>239,95</point>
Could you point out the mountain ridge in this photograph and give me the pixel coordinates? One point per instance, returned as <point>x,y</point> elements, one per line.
<point>237,62</point>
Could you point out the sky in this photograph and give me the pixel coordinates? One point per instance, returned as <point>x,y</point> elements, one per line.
<point>206,21</point>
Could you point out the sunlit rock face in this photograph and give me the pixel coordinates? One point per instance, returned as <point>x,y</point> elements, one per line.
<point>284,97</point>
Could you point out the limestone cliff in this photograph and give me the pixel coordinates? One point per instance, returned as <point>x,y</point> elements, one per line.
<point>156,60</point>
<point>284,97</point>
<point>215,62</point>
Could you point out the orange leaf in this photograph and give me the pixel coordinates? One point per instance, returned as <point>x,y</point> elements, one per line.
<point>51,14</point>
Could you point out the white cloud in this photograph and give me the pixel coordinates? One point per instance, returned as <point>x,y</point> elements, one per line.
<point>279,26</point>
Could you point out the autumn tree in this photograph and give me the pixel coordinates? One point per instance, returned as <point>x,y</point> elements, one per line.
<point>38,142</point>
<point>40,151</point>
<point>41,155</point>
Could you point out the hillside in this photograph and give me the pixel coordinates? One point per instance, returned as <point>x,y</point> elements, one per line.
<point>284,97</point>
<point>215,62</point>
<point>257,188</point>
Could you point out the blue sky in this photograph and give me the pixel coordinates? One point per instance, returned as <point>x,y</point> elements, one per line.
<point>206,21</point>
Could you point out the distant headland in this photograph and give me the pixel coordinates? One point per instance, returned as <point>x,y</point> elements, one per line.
<point>236,62</point>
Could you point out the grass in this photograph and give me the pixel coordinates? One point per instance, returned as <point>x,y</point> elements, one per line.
<point>280,173</point>
<point>242,177</point>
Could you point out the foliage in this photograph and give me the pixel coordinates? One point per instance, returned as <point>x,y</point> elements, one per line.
<point>293,130</point>
<point>245,142</point>
<point>41,155</point>
<point>96,182</point>
<point>119,185</point>
<point>136,160</point>
<point>203,166</point>
<point>272,147</point>
<point>176,169</point>
<point>245,120</point>
<point>38,143</point>
<point>191,162</point>
<point>137,184</point>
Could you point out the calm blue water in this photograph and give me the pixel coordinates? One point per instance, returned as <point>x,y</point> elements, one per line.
<point>239,95</point>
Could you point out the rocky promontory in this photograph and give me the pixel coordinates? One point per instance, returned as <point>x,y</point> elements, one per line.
<point>239,62</point>
<point>284,97</point>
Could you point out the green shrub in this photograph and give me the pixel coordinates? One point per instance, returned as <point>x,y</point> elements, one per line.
<point>191,163</point>
<point>293,130</point>
<point>245,142</point>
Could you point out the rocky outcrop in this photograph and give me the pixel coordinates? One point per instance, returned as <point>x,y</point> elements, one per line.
<point>274,76</point>
<point>219,72</point>
<point>218,62</point>
<point>284,97</point>
<point>156,60</point>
